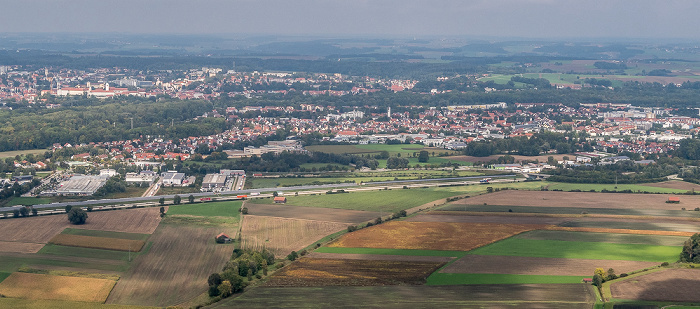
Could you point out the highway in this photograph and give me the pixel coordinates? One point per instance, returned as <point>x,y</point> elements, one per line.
<point>323,188</point>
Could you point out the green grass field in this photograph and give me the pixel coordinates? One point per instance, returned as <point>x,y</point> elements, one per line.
<point>604,237</point>
<point>580,250</point>
<point>12,154</point>
<point>4,275</point>
<point>210,209</point>
<point>27,201</point>
<point>610,187</point>
<point>387,201</point>
<point>411,252</point>
<point>96,233</point>
<point>51,249</point>
<point>457,279</point>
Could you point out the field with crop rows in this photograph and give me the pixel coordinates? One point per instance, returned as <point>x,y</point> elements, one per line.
<point>176,267</point>
<point>98,242</point>
<point>311,213</point>
<point>329,272</point>
<point>38,286</point>
<point>283,235</point>
<point>430,235</point>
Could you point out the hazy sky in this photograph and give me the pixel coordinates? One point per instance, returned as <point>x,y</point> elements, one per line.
<point>502,18</point>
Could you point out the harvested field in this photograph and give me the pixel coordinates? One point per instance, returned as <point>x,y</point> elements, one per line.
<point>675,184</point>
<point>39,286</point>
<point>680,285</point>
<point>98,242</point>
<point>330,272</point>
<point>378,257</point>
<point>42,229</point>
<point>19,247</point>
<point>580,200</point>
<point>568,211</point>
<point>620,231</point>
<point>311,213</point>
<point>441,216</point>
<point>489,264</point>
<point>682,228</point>
<point>575,296</point>
<point>176,267</point>
<point>431,235</point>
<point>284,235</point>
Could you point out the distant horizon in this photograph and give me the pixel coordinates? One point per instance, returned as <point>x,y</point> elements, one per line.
<point>551,19</point>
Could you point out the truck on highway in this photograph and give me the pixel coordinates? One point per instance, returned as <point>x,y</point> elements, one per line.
<point>485,180</point>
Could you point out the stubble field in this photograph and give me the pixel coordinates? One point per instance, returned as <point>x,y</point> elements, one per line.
<point>283,235</point>
<point>39,286</point>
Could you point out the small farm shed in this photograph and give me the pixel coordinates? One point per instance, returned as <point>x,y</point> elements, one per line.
<point>223,238</point>
<point>280,199</point>
<point>673,199</point>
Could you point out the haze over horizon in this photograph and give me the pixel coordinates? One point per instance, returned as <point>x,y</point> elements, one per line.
<point>487,18</point>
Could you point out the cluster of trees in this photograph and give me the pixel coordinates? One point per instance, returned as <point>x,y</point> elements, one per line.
<point>76,215</point>
<point>691,250</point>
<point>623,172</point>
<point>600,276</point>
<point>104,121</point>
<point>243,264</point>
<point>17,190</point>
<point>113,185</point>
<point>396,163</point>
<point>538,143</point>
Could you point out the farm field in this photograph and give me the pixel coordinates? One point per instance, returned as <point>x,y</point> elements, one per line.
<point>57,250</point>
<point>678,285</point>
<point>489,264</point>
<point>403,149</point>
<point>580,250</point>
<point>678,226</point>
<point>19,247</point>
<point>27,232</point>
<point>462,206</point>
<point>458,279</point>
<point>39,286</point>
<point>580,200</point>
<point>27,201</point>
<point>209,209</point>
<point>385,257</point>
<point>12,154</point>
<point>650,188</point>
<point>676,184</point>
<point>98,242</point>
<point>42,304</point>
<point>605,237</point>
<point>284,235</point>
<point>176,267</point>
<point>107,234</point>
<point>343,272</point>
<point>444,216</point>
<point>310,213</point>
<point>430,235</point>
<point>358,177</point>
<point>385,251</point>
<point>409,296</point>
<point>386,201</point>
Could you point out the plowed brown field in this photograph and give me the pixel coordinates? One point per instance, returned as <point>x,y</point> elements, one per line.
<point>431,235</point>
<point>331,272</point>
<point>681,285</point>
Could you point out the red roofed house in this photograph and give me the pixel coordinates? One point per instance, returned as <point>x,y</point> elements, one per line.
<point>280,199</point>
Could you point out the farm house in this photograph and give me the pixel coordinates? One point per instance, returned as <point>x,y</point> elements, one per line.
<point>280,199</point>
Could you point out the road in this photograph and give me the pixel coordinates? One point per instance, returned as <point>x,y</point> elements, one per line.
<point>322,188</point>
